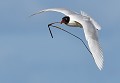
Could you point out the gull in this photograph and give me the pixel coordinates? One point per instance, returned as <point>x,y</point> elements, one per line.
<point>90,28</point>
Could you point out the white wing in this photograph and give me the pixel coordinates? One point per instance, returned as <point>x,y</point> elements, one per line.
<point>61,10</point>
<point>97,26</point>
<point>92,38</point>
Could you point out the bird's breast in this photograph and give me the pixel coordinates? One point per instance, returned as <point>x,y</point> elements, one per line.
<point>74,24</point>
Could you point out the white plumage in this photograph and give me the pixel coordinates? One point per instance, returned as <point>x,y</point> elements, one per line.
<point>90,27</point>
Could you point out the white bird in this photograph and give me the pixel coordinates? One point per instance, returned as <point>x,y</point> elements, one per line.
<point>90,27</point>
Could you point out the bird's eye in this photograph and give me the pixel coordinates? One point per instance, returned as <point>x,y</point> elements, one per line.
<point>66,19</point>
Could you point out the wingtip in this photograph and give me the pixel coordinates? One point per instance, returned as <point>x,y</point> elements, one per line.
<point>100,66</point>
<point>36,13</point>
<point>32,15</point>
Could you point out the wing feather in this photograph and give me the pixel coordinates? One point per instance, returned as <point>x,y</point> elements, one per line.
<point>61,10</point>
<point>96,52</point>
<point>93,43</point>
<point>97,26</point>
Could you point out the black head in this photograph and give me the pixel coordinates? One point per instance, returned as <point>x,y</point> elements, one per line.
<point>65,20</point>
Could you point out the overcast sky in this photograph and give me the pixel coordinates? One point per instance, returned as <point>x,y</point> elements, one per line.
<point>29,55</point>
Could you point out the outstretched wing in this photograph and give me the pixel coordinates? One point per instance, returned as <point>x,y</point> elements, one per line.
<point>90,32</point>
<point>61,10</point>
<point>97,26</point>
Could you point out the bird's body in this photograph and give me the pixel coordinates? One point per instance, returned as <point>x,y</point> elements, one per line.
<point>89,26</point>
